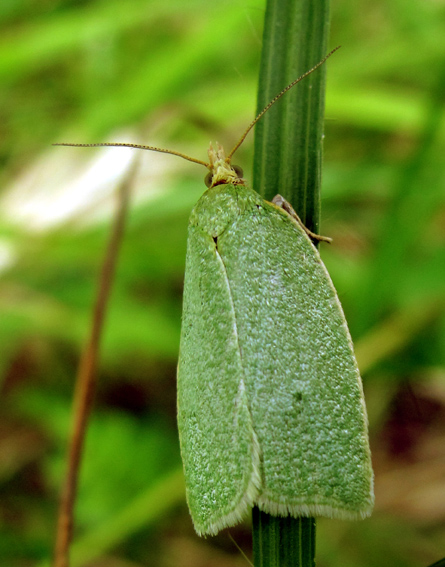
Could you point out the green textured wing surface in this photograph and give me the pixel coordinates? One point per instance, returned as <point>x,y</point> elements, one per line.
<point>270,402</point>
<point>217,441</point>
<point>302,382</point>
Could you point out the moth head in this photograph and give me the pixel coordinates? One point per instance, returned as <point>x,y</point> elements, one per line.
<point>221,171</point>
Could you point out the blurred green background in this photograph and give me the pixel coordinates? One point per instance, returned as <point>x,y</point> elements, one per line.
<point>179,74</point>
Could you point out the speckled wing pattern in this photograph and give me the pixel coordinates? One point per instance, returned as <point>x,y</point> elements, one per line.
<point>270,401</point>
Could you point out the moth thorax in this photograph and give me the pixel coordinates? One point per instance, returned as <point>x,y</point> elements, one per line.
<point>221,170</point>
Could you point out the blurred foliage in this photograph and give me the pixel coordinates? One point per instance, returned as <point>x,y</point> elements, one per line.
<point>176,75</point>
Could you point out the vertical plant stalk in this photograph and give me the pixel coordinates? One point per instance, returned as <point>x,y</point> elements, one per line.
<point>86,377</point>
<point>281,541</point>
<point>287,160</point>
<point>288,140</point>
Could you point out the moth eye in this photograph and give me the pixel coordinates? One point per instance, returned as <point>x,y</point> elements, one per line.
<point>237,169</point>
<point>208,179</point>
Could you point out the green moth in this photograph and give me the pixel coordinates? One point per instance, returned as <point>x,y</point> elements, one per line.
<point>270,401</point>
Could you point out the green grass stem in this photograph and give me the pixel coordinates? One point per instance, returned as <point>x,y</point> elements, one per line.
<point>287,160</point>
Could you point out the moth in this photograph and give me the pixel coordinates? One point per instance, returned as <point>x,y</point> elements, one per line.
<point>270,401</point>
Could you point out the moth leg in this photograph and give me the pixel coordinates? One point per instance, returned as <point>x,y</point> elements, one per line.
<point>281,202</point>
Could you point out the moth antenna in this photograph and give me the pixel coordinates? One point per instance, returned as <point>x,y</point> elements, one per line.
<point>135,146</point>
<point>274,100</point>
<point>194,160</point>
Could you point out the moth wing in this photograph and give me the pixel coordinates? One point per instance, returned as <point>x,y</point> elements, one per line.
<point>302,382</point>
<point>218,444</point>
